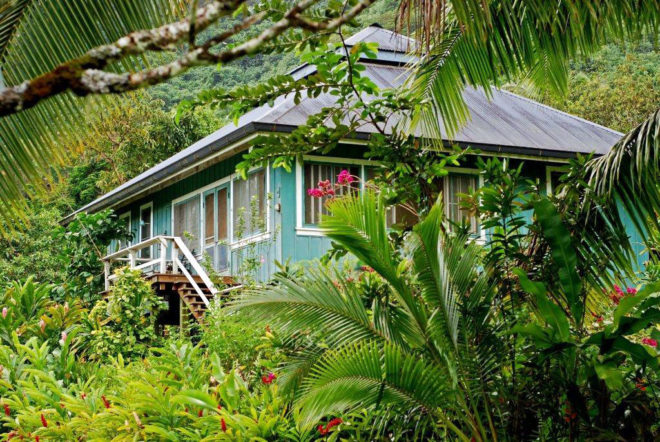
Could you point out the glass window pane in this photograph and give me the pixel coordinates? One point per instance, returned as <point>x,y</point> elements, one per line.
<point>187,222</point>
<point>145,230</point>
<point>457,184</point>
<point>209,219</point>
<point>249,205</point>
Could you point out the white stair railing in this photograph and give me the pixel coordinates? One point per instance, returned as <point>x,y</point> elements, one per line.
<point>169,248</point>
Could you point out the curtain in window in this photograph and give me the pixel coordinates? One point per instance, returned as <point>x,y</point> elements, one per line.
<point>456,184</point>
<point>187,223</point>
<point>249,204</point>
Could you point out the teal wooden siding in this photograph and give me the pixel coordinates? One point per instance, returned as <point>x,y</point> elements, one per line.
<point>286,241</point>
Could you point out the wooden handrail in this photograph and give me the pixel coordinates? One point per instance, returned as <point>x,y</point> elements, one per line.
<point>177,266</point>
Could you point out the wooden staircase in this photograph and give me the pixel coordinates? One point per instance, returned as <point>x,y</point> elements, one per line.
<point>175,275</point>
<point>168,284</point>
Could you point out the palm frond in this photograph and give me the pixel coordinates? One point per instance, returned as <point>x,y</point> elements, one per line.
<point>370,374</point>
<point>358,224</point>
<point>45,35</point>
<point>11,12</point>
<point>314,305</point>
<point>433,275</point>
<point>629,172</point>
<point>507,40</point>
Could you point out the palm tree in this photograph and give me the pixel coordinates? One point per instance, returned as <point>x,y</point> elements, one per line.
<point>427,344</point>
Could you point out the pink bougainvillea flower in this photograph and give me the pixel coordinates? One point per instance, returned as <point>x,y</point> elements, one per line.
<point>44,422</point>
<point>4,312</point>
<point>618,289</point>
<point>315,193</point>
<point>650,342</point>
<point>344,177</point>
<point>268,379</point>
<point>223,425</point>
<point>631,290</point>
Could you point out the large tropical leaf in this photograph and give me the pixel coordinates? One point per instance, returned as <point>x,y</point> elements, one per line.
<point>371,374</point>
<point>37,36</point>
<point>359,225</point>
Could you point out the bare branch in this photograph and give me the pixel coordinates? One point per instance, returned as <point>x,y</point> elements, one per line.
<point>86,75</point>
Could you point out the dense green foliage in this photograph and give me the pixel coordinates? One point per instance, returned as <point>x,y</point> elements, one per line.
<point>618,87</point>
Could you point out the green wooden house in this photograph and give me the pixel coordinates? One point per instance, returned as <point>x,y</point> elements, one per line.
<point>196,196</point>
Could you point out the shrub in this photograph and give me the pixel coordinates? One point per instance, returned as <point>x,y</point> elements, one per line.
<point>125,322</point>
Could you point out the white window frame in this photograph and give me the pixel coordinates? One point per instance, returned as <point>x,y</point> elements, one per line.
<point>548,176</point>
<point>481,237</point>
<point>149,205</point>
<point>230,223</point>
<point>301,228</point>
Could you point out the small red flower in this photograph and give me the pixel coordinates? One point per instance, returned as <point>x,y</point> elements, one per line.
<point>219,407</point>
<point>7,410</point>
<point>36,439</point>
<point>106,404</point>
<point>333,423</point>
<point>367,269</point>
<point>345,177</point>
<point>315,193</point>
<point>200,413</point>
<point>640,385</point>
<point>44,422</point>
<point>223,425</point>
<point>650,342</point>
<point>83,396</point>
<point>268,379</point>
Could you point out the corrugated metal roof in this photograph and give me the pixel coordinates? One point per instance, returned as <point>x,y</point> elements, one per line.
<point>504,123</point>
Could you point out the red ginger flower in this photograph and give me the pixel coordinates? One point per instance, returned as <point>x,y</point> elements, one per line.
<point>44,422</point>
<point>200,413</point>
<point>333,423</point>
<point>650,342</point>
<point>223,425</point>
<point>106,404</point>
<point>36,439</point>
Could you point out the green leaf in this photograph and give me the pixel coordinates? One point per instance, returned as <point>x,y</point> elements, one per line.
<point>550,312</point>
<point>610,373</point>
<point>563,254</point>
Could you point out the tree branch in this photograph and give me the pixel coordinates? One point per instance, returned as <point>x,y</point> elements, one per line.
<point>86,75</point>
